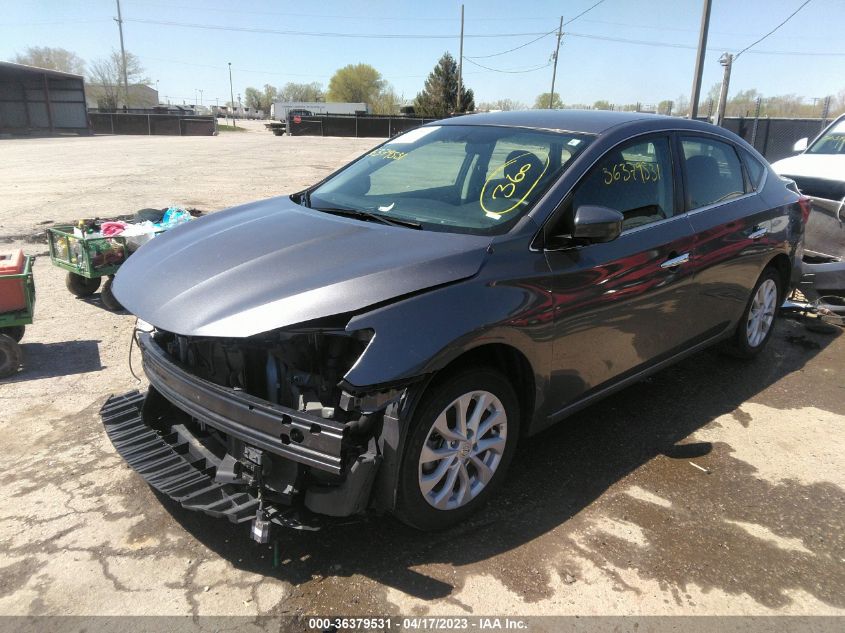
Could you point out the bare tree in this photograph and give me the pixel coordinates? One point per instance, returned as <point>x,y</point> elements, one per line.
<point>53,58</point>
<point>106,79</point>
<point>504,105</point>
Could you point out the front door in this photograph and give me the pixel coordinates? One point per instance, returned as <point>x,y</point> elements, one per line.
<point>623,305</point>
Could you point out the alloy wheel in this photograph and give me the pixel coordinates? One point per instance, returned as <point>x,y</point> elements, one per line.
<point>462,450</point>
<point>762,312</point>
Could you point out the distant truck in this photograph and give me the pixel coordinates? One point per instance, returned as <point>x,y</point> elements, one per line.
<point>280,110</point>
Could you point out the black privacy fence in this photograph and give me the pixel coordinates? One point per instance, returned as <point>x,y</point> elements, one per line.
<point>368,126</point>
<point>159,124</point>
<point>774,137</point>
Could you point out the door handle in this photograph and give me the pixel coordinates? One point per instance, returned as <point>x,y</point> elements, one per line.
<point>675,261</point>
<point>757,233</point>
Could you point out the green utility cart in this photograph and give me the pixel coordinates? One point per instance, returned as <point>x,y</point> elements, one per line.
<point>13,324</point>
<point>87,260</point>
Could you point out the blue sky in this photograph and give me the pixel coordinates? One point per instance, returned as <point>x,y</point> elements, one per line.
<point>185,59</point>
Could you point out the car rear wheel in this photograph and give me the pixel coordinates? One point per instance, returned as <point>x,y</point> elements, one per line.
<point>755,328</point>
<point>462,441</point>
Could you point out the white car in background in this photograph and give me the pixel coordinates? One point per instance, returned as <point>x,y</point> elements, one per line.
<point>819,172</point>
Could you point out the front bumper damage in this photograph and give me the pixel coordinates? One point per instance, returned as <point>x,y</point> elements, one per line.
<point>229,454</point>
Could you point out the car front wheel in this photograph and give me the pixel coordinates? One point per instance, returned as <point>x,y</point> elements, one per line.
<point>462,441</point>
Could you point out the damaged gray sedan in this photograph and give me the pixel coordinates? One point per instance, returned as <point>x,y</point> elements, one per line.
<point>384,339</point>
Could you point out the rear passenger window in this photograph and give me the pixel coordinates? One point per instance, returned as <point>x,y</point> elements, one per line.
<point>635,179</point>
<point>714,173</point>
<point>755,169</point>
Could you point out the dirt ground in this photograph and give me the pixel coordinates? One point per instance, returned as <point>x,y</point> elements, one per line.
<point>715,487</point>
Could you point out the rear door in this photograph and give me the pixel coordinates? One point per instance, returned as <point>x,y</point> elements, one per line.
<point>734,230</point>
<point>626,304</point>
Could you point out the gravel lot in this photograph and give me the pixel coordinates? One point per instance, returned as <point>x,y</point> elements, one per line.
<point>608,513</point>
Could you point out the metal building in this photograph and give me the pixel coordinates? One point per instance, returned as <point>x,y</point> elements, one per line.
<point>37,101</point>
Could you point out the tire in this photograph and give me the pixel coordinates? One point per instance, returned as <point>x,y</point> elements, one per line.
<point>10,356</point>
<point>80,286</point>
<point>108,298</point>
<point>15,332</point>
<point>424,485</point>
<point>750,339</point>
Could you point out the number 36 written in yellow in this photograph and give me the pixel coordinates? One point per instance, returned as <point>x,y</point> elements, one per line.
<point>507,189</point>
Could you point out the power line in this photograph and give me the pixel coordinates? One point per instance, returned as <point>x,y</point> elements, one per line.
<point>367,18</point>
<point>516,48</point>
<point>791,15</point>
<point>216,27</point>
<point>623,40</point>
<point>585,11</point>
<point>510,50</point>
<point>502,70</point>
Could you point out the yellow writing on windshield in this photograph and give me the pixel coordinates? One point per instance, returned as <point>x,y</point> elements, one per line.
<point>389,154</point>
<point>507,186</point>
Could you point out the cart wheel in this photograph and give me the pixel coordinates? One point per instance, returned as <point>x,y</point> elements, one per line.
<point>10,356</point>
<point>80,286</point>
<point>15,332</point>
<point>108,298</point>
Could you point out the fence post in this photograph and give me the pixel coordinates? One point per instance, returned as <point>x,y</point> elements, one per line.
<point>356,126</point>
<point>756,122</point>
<point>111,120</point>
<point>766,138</point>
<point>149,126</point>
<point>825,111</point>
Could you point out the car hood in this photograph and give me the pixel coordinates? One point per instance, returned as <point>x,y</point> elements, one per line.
<point>826,166</point>
<point>273,263</point>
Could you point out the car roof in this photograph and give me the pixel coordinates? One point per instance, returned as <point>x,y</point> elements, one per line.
<point>585,121</point>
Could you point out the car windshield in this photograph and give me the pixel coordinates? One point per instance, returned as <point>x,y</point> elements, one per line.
<point>832,142</point>
<point>458,178</point>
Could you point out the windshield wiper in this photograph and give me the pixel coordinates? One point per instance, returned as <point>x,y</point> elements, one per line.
<point>372,217</point>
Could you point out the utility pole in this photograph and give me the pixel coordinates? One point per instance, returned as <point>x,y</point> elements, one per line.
<point>825,111</point>
<point>200,96</point>
<point>460,64</point>
<point>232,95</point>
<point>554,68</point>
<point>726,60</point>
<point>699,60</point>
<point>119,21</point>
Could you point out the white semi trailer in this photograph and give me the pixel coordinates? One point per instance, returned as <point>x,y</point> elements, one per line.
<point>280,109</point>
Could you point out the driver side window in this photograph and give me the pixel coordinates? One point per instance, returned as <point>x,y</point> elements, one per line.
<point>635,179</point>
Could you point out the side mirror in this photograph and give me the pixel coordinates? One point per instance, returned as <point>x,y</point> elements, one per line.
<point>597,224</point>
<point>800,145</point>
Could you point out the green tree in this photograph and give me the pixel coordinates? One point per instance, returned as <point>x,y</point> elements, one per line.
<point>440,92</point>
<point>302,92</point>
<point>665,107</point>
<point>386,102</point>
<point>52,58</point>
<point>252,98</point>
<point>356,83</point>
<point>602,105</point>
<point>542,101</point>
<point>260,99</point>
